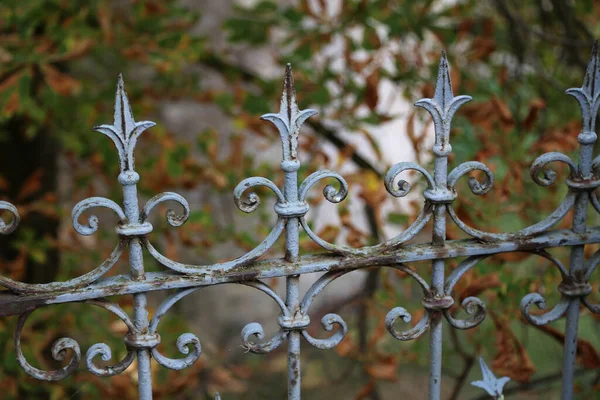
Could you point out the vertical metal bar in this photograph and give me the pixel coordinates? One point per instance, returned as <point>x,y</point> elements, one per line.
<point>586,138</point>
<point>437,285</point>
<point>442,107</point>
<point>576,268</point>
<point>292,283</point>
<point>129,180</point>
<point>288,121</point>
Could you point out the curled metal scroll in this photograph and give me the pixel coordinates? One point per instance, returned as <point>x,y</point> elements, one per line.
<point>62,345</point>
<point>478,188</point>
<point>409,334</point>
<point>252,201</point>
<point>81,281</point>
<point>87,204</point>
<point>551,220</point>
<point>103,350</point>
<point>548,179</point>
<point>173,218</point>
<point>224,266</point>
<point>402,188</point>
<point>255,330</point>
<point>330,193</point>
<point>401,313</point>
<point>536,299</point>
<point>4,228</point>
<point>328,321</point>
<point>544,319</point>
<point>403,237</point>
<point>474,307</point>
<point>249,205</point>
<point>185,342</point>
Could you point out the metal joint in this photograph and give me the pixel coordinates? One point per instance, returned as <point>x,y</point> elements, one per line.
<point>297,322</point>
<point>295,209</point>
<point>582,185</point>
<point>434,302</point>
<point>141,341</point>
<point>129,231</point>
<point>572,288</point>
<point>439,195</point>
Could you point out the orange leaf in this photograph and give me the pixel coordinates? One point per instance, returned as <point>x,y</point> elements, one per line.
<point>385,368</point>
<point>32,184</point>
<point>511,358</point>
<point>372,89</point>
<point>61,83</point>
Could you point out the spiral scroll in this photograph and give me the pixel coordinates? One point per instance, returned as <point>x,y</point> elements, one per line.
<point>474,307</point>
<point>4,228</point>
<point>252,202</point>
<point>549,177</point>
<point>413,333</point>
<point>476,187</point>
<point>102,350</point>
<point>61,347</point>
<point>328,321</point>
<point>331,194</point>
<point>255,330</point>
<point>544,319</point>
<point>185,342</point>
<point>81,281</point>
<point>173,218</point>
<point>401,189</point>
<point>93,202</point>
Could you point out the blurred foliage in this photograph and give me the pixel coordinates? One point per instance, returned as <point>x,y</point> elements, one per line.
<point>58,64</point>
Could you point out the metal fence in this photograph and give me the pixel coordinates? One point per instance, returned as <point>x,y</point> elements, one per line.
<point>134,232</point>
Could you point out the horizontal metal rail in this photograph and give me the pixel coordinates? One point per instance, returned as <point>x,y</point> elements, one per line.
<point>15,304</point>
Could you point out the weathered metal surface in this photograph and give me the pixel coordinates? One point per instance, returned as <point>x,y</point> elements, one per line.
<point>492,385</point>
<point>133,232</point>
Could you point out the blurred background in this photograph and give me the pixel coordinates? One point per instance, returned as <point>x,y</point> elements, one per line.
<point>205,71</point>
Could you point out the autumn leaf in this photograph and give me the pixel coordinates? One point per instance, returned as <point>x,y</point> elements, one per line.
<point>511,358</point>
<point>372,89</point>
<point>61,83</point>
<point>384,368</point>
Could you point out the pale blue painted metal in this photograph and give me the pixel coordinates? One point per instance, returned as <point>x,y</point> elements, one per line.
<point>291,206</point>
<point>492,385</point>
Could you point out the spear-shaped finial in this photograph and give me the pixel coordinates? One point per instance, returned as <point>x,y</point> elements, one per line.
<point>289,119</point>
<point>442,107</point>
<point>589,93</point>
<point>492,385</point>
<point>443,88</point>
<point>124,131</point>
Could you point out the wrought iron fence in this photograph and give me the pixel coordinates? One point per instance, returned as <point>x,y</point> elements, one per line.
<point>134,232</point>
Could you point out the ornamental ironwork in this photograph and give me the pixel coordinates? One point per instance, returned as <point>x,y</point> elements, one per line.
<point>135,236</point>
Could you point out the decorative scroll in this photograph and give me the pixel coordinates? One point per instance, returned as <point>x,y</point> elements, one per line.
<point>61,347</point>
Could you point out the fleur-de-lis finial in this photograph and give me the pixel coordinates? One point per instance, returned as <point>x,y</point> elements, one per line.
<point>588,95</point>
<point>492,385</point>
<point>442,107</point>
<point>124,131</point>
<point>289,119</point>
